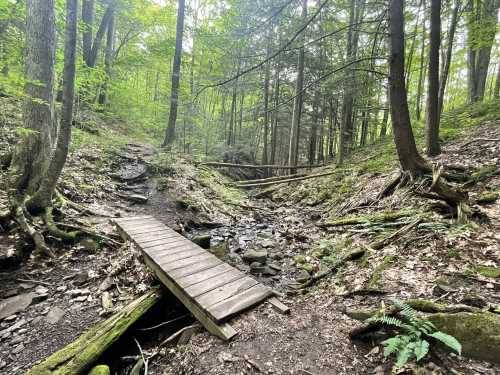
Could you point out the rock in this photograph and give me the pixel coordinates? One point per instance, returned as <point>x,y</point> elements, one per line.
<point>55,315</point>
<point>100,370</point>
<point>299,259</point>
<point>202,240</point>
<point>13,305</point>
<point>266,243</point>
<point>41,290</point>
<point>18,349</point>
<point>61,288</point>
<point>106,284</point>
<point>478,333</point>
<point>27,286</point>
<point>303,276</point>
<point>2,363</point>
<point>255,256</point>
<point>81,278</point>
<point>275,267</point>
<point>107,301</point>
<point>137,198</point>
<point>268,271</point>
<point>10,318</point>
<point>16,340</point>
<point>89,245</point>
<point>80,299</point>
<point>6,332</point>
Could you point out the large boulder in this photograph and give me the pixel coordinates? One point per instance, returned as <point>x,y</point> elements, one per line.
<point>251,256</point>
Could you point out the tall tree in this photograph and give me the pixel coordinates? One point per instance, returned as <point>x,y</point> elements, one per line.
<point>293,153</point>
<point>449,50</point>
<point>432,120</point>
<point>108,57</point>
<point>482,25</point>
<point>409,157</point>
<point>176,75</point>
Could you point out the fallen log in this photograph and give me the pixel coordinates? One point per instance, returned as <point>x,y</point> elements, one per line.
<point>377,217</point>
<point>288,180</point>
<point>477,331</point>
<point>79,356</point>
<point>270,179</point>
<point>252,166</point>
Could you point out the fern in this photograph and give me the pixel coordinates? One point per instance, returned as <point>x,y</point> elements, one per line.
<point>410,342</point>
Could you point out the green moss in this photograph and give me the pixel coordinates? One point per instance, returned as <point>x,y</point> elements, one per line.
<point>377,217</point>
<point>479,333</point>
<point>488,197</point>
<point>487,271</point>
<point>378,271</point>
<point>299,259</point>
<point>307,267</point>
<point>84,351</point>
<point>100,370</point>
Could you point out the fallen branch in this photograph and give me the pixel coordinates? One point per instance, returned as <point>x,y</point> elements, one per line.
<point>252,166</point>
<point>288,180</point>
<point>383,242</point>
<point>261,180</point>
<point>78,357</point>
<point>177,334</point>
<point>377,217</point>
<point>351,255</point>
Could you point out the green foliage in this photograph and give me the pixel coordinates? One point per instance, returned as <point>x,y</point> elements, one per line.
<point>412,341</point>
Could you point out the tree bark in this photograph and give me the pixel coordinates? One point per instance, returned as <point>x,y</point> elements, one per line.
<point>432,120</point>
<point>293,154</point>
<point>31,155</point>
<point>108,56</point>
<point>409,157</point>
<point>43,197</point>
<point>496,94</point>
<point>176,75</point>
<point>99,36</point>
<point>88,25</point>
<point>449,50</point>
<point>421,75</point>
<point>267,76</point>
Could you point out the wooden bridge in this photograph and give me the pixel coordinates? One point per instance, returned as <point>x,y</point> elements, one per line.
<point>212,290</point>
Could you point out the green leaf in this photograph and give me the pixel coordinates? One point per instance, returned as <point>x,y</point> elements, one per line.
<point>448,340</point>
<point>403,356</point>
<point>421,349</point>
<point>391,345</point>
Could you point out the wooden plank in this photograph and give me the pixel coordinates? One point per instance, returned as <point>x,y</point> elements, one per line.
<point>147,229</point>
<point>164,241</point>
<point>225,331</point>
<point>183,255</point>
<point>214,282</point>
<point>138,223</point>
<point>233,305</point>
<point>148,236</point>
<point>198,267</point>
<point>177,251</point>
<point>278,305</point>
<point>185,263</point>
<point>225,291</point>
<point>169,247</point>
<point>203,276</point>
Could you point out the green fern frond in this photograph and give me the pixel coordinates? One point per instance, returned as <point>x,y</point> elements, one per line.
<point>391,345</point>
<point>403,356</point>
<point>421,349</point>
<point>448,340</point>
<point>387,320</point>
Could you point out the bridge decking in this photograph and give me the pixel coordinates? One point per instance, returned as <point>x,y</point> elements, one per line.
<point>212,290</point>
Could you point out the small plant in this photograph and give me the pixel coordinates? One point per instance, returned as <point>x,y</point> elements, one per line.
<point>412,339</point>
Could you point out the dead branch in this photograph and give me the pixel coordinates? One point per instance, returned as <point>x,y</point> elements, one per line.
<point>252,166</point>
<point>383,242</point>
<point>288,180</point>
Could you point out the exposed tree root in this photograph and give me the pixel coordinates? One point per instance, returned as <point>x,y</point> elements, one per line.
<point>30,231</point>
<point>54,230</point>
<point>63,201</point>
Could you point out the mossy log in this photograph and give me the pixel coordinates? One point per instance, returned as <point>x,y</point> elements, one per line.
<point>478,331</point>
<point>377,217</point>
<point>79,356</point>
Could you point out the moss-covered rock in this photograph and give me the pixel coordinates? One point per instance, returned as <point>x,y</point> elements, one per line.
<point>100,370</point>
<point>488,271</point>
<point>308,267</point>
<point>488,197</point>
<point>299,259</point>
<point>479,333</point>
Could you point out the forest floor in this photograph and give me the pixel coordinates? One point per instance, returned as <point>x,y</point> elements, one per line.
<point>57,299</point>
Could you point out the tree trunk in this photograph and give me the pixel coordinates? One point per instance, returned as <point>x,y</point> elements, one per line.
<point>176,75</point>
<point>385,118</point>
<point>99,36</point>
<point>449,50</point>
<point>432,120</point>
<point>108,56</point>
<point>43,197</point>
<point>297,104</point>
<point>88,25</point>
<point>496,94</point>
<point>314,130</point>
<point>408,154</point>
<point>31,155</point>
<point>421,76</point>
<point>267,76</point>
<point>488,24</point>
